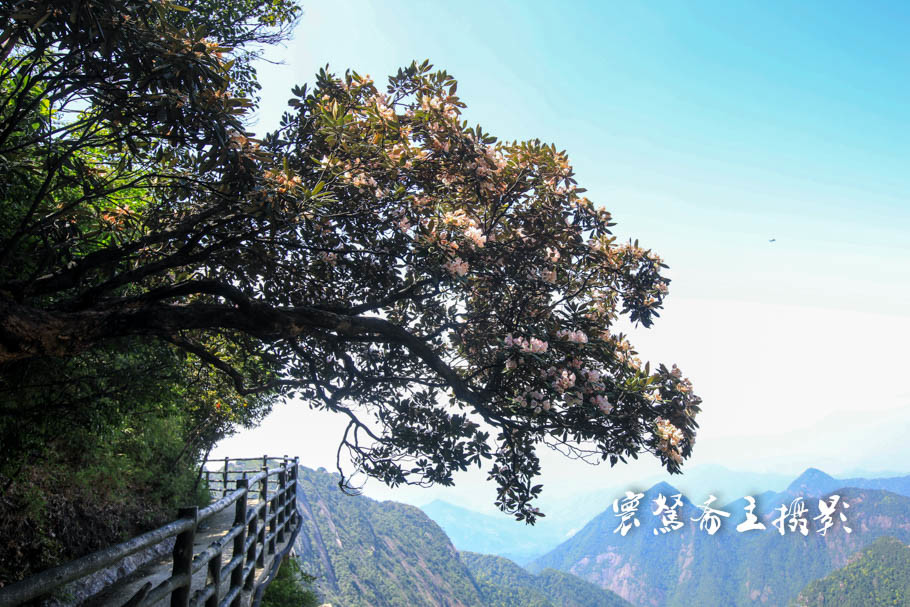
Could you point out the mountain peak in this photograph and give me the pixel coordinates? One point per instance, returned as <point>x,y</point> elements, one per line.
<point>813,481</point>
<point>663,487</point>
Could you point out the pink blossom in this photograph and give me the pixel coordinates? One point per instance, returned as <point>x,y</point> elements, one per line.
<point>535,345</point>
<point>564,381</point>
<point>603,404</point>
<point>577,337</point>
<point>457,267</point>
<point>476,236</point>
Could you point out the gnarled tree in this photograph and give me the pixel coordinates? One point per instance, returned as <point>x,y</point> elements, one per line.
<point>452,295</point>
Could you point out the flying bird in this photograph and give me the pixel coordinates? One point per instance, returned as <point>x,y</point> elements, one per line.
<point>772,240</point>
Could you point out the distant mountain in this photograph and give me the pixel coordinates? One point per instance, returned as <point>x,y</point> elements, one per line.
<point>636,566</point>
<point>701,481</point>
<point>366,553</point>
<point>896,484</point>
<point>501,535</point>
<point>815,482</point>
<point>877,577</point>
<point>504,584</point>
<point>568,511</point>
<point>689,567</point>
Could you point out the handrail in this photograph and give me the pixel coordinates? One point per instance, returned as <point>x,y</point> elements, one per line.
<point>245,558</point>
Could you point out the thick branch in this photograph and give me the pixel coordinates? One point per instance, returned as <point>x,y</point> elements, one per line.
<point>26,332</point>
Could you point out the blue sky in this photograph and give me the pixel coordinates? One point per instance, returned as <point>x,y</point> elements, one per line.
<point>707,129</point>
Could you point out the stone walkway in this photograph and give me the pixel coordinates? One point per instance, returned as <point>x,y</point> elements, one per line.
<point>159,569</point>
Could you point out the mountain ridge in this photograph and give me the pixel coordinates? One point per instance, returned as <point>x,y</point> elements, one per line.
<point>688,564</point>
<point>367,553</point>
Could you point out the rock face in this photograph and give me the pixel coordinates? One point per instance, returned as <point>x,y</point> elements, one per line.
<point>690,567</point>
<point>386,554</point>
<point>377,554</point>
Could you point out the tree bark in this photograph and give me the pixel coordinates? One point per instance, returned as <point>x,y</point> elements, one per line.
<point>27,332</point>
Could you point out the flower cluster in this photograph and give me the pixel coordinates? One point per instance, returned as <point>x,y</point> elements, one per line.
<point>577,337</point>
<point>670,436</point>
<point>537,401</point>
<point>475,235</point>
<point>602,403</point>
<point>480,238</point>
<point>456,267</point>
<point>534,345</point>
<point>565,379</point>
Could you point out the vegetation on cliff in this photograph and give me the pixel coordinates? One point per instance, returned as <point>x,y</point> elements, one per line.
<point>290,587</point>
<point>504,584</point>
<point>96,127</point>
<point>385,554</point>
<point>877,577</point>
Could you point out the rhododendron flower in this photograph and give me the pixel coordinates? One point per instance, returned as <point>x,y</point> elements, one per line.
<point>476,236</point>
<point>535,345</point>
<point>669,434</point>
<point>457,266</point>
<point>577,337</point>
<point>603,404</point>
<point>564,380</point>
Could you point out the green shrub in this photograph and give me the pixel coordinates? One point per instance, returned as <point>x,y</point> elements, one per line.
<point>290,588</point>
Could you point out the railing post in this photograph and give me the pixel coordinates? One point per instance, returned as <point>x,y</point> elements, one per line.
<point>284,490</point>
<point>251,532</point>
<point>215,572</point>
<point>289,500</point>
<point>282,500</point>
<point>263,523</point>
<point>294,490</point>
<point>273,521</point>
<point>240,540</point>
<point>208,481</point>
<point>183,557</point>
<point>224,489</point>
<point>296,477</point>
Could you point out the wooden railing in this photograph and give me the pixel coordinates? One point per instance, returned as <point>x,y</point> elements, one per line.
<point>265,514</point>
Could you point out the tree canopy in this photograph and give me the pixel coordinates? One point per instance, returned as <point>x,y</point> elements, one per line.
<point>453,295</point>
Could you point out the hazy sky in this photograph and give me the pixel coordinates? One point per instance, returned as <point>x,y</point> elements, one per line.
<point>707,129</point>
